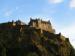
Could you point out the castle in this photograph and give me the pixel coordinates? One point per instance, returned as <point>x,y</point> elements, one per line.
<point>34,23</point>
<point>37,24</point>
<point>40,24</point>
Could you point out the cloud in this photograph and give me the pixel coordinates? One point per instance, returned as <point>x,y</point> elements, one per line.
<point>72,4</point>
<point>8,13</point>
<point>16,8</point>
<point>55,1</point>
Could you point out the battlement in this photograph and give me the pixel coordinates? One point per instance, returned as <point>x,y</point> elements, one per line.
<point>40,24</point>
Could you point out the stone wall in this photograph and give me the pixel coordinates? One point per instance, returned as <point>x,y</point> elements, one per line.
<point>43,25</point>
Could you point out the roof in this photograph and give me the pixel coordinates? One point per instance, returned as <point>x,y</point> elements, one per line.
<point>36,20</point>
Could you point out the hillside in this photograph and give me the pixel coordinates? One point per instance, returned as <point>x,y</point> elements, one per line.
<point>24,40</point>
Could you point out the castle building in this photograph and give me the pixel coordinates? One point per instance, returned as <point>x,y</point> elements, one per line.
<point>34,23</point>
<point>18,22</point>
<point>40,24</point>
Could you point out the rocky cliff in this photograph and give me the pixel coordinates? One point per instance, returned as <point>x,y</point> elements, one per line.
<point>22,40</point>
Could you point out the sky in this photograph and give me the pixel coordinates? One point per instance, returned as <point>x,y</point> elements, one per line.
<point>61,13</point>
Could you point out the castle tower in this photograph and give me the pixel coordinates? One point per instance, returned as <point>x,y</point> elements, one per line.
<point>13,23</point>
<point>40,24</point>
<point>18,22</point>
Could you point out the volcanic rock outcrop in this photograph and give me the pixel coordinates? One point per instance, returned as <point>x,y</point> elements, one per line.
<point>38,38</point>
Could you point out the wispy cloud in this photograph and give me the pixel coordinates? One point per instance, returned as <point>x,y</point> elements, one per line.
<point>16,8</point>
<point>72,3</point>
<point>8,13</point>
<point>55,1</point>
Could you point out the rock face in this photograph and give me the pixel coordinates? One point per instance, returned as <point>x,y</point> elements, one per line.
<point>19,39</point>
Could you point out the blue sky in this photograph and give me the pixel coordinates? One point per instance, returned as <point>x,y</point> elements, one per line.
<point>61,13</point>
